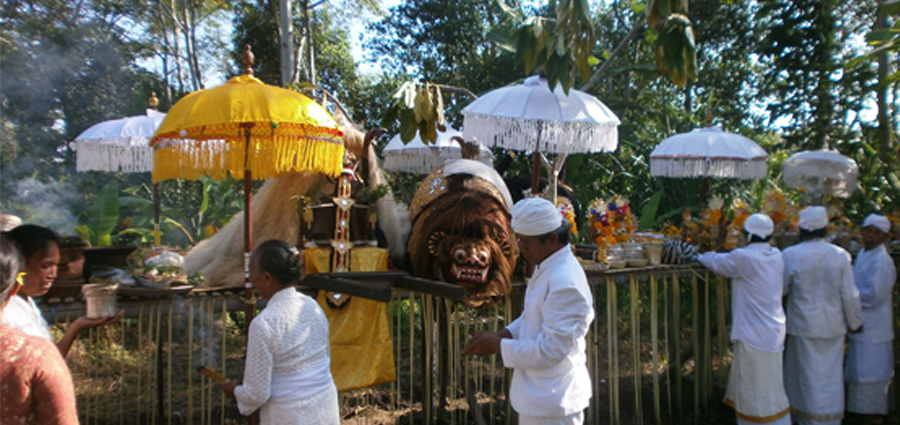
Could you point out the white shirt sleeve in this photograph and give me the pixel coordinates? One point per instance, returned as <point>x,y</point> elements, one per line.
<point>254,391</point>
<point>564,312</point>
<point>724,264</point>
<point>882,285</point>
<point>513,327</point>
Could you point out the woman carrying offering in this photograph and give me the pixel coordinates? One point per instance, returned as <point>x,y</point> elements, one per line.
<point>39,247</point>
<point>287,374</point>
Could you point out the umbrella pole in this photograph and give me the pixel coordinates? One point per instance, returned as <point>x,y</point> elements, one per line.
<point>536,164</point>
<point>249,299</point>
<point>249,304</point>
<point>157,236</point>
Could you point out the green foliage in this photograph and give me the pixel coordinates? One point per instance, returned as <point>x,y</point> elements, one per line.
<point>102,217</point>
<point>420,108</point>
<point>369,196</point>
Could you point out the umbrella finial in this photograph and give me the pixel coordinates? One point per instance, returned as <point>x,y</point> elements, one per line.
<point>153,102</point>
<point>247,61</point>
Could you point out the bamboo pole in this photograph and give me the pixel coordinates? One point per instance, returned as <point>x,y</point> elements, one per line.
<point>654,347</point>
<point>637,371</point>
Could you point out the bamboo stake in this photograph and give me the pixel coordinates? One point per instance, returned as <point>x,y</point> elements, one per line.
<point>428,321</point>
<point>190,346</point>
<point>613,306</point>
<point>707,349</point>
<point>668,344</point>
<point>169,368</point>
<point>224,357</point>
<point>722,311</point>
<point>676,326</point>
<point>654,346</point>
<point>695,340</point>
<point>637,371</point>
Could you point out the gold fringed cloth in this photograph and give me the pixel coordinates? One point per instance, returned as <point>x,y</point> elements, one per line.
<point>361,350</point>
<point>245,124</point>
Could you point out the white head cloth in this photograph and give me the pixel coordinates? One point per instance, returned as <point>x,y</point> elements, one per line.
<point>879,221</point>
<point>535,217</point>
<point>813,218</point>
<point>760,225</point>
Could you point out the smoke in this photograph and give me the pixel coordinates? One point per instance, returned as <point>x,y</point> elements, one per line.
<point>47,204</point>
<point>196,324</point>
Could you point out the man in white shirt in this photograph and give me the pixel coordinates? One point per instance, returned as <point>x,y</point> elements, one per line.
<point>546,345</point>
<point>870,358</point>
<point>822,305</point>
<point>755,383</point>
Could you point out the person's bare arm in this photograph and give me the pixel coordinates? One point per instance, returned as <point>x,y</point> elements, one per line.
<point>81,324</point>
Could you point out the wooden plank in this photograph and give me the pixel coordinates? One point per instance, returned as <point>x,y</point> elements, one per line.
<point>350,287</point>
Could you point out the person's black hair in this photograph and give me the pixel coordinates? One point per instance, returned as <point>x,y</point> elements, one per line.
<point>756,238</point>
<point>806,235</point>
<point>33,239</point>
<point>10,262</point>
<point>562,233</point>
<point>278,258</point>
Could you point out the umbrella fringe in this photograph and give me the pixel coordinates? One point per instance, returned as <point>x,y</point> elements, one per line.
<point>271,156</point>
<point>702,167</point>
<point>417,162</point>
<point>556,137</point>
<point>111,155</point>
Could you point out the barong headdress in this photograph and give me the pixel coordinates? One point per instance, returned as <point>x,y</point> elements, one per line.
<point>813,218</point>
<point>535,217</point>
<point>879,221</point>
<point>760,225</point>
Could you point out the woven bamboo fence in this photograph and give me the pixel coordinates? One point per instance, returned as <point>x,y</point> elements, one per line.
<point>658,353</point>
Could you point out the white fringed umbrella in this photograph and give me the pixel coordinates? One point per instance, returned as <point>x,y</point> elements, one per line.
<point>118,145</point>
<point>531,117</point>
<point>122,145</point>
<point>822,172</point>
<point>708,152</point>
<point>419,158</point>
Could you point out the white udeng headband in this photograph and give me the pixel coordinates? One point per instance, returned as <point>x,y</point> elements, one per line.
<point>535,217</point>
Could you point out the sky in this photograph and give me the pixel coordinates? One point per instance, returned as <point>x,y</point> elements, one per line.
<point>356,47</point>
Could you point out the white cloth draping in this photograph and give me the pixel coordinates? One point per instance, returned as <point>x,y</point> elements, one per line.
<point>869,367</point>
<point>757,273</point>
<point>756,386</point>
<point>22,313</point>
<point>875,274</point>
<point>547,351</point>
<point>813,379</point>
<point>868,371</point>
<point>822,297</point>
<point>321,408</point>
<point>288,338</point>
<point>573,419</point>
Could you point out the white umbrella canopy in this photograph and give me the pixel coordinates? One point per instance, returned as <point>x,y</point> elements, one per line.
<point>118,145</point>
<point>419,158</point>
<point>824,172</point>
<point>708,152</point>
<point>121,145</point>
<point>531,117</point>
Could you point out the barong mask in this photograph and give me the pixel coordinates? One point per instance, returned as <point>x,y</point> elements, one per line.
<point>461,235</point>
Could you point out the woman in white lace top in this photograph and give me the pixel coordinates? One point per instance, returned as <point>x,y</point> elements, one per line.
<point>287,375</point>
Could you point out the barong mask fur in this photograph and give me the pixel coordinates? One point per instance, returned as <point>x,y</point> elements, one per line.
<point>463,237</point>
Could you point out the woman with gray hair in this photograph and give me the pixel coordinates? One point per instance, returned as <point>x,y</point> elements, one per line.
<point>36,384</point>
<point>287,375</point>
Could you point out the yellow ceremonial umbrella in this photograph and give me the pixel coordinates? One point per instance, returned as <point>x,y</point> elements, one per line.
<point>246,128</point>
